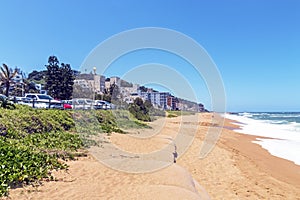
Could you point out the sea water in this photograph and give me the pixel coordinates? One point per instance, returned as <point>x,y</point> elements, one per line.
<point>281,128</point>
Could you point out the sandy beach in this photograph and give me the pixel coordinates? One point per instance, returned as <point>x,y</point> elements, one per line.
<point>236,168</point>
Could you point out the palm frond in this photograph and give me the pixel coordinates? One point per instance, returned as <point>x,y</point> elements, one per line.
<point>2,70</point>
<point>5,71</point>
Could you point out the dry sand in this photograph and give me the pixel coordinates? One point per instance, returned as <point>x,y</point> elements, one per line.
<point>235,169</point>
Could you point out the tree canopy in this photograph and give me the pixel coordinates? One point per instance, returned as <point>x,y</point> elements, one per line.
<point>59,79</point>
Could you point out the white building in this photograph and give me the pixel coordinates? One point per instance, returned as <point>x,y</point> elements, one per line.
<point>157,99</point>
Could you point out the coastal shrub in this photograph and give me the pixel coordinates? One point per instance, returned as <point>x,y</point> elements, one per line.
<point>60,141</point>
<point>93,122</point>
<point>25,120</point>
<point>140,110</point>
<point>32,157</point>
<point>21,164</point>
<point>126,120</point>
<point>33,140</point>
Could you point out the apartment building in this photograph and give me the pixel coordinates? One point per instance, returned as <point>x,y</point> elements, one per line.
<point>91,81</point>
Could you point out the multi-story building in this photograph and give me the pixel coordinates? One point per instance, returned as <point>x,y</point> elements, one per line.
<point>99,82</point>
<point>102,83</point>
<point>164,99</point>
<point>83,83</point>
<point>153,97</point>
<point>115,80</point>
<point>91,81</point>
<point>172,102</point>
<point>107,83</point>
<point>158,99</point>
<point>128,92</point>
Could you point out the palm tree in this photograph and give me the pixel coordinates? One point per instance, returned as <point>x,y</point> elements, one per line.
<point>6,76</point>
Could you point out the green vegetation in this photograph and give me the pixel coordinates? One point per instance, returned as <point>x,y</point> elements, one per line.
<point>144,111</point>
<point>173,113</point>
<point>59,79</point>
<point>33,142</point>
<point>95,121</point>
<point>37,76</point>
<point>6,76</point>
<point>25,120</point>
<point>21,164</point>
<point>140,109</point>
<point>126,120</point>
<point>5,103</point>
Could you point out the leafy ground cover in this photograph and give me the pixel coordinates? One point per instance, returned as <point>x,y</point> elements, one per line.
<point>33,142</point>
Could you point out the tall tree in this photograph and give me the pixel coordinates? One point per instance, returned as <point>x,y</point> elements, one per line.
<point>52,76</point>
<point>59,79</point>
<point>67,81</point>
<point>6,77</point>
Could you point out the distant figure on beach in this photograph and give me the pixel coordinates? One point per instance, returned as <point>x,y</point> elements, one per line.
<point>175,155</point>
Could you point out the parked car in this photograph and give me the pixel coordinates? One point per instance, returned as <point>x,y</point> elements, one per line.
<point>58,105</point>
<point>24,101</point>
<point>100,104</point>
<point>68,104</point>
<point>42,100</point>
<point>39,97</point>
<point>85,104</point>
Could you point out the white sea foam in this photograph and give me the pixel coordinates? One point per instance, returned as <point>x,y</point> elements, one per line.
<point>286,137</point>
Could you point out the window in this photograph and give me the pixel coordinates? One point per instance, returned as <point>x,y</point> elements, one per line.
<point>45,97</point>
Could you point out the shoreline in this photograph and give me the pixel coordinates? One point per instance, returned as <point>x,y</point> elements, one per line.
<point>284,169</point>
<point>236,168</point>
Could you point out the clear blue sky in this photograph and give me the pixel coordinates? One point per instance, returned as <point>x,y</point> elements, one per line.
<point>254,43</point>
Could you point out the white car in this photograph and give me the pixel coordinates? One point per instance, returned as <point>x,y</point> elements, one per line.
<point>100,104</point>
<point>41,100</point>
<point>24,101</point>
<point>85,104</point>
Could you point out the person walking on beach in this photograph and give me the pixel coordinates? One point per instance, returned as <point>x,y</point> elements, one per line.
<point>175,154</point>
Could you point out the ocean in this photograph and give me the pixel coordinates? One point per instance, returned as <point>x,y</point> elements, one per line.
<point>283,129</point>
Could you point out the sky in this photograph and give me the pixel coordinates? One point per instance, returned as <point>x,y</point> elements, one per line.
<point>254,44</point>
